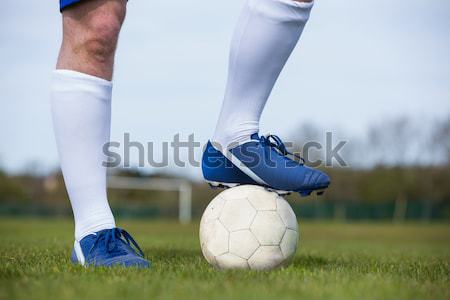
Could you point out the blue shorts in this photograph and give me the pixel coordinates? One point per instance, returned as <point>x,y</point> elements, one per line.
<point>64,3</point>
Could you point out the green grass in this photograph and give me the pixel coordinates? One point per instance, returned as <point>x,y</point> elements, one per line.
<point>334,261</point>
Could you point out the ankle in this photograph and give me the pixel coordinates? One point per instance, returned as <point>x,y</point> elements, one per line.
<point>231,136</point>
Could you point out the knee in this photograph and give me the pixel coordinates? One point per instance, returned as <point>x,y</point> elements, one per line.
<point>91,30</point>
<point>100,41</point>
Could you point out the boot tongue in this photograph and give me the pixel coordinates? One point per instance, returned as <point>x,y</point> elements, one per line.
<point>254,136</point>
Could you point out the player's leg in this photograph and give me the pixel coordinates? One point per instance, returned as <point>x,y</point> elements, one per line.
<point>81,106</point>
<point>265,36</point>
<point>81,110</point>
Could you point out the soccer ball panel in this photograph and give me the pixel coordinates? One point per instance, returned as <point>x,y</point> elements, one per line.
<point>217,240</point>
<point>208,255</point>
<point>262,199</point>
<point>243,243</point>
<point>210,215</point>
<point>237,214</point>
<point>268,228</point>
<point>231,261</point>
<point>287,214</point>
<point>288,244</point>
<point>241,191</point>
<point>213,209</point>
<point>266,258</point>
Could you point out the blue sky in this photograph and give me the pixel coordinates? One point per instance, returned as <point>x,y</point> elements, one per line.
<point>357,63</point>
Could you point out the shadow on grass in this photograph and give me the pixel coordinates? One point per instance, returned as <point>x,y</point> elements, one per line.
<point>362,264</point>
<point>173,254</point>
<point>311,262</point>
<point>308,262</point>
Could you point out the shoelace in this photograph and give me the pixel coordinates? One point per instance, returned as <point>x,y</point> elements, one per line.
<point>110,237</point>
<point>273,141</point>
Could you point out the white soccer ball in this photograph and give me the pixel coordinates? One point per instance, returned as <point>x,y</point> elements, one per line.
<point>248,227</point>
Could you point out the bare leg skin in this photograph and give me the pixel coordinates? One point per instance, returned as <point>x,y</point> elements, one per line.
<point>90,34</point>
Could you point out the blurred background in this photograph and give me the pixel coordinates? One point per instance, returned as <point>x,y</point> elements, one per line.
<point>374,73</point>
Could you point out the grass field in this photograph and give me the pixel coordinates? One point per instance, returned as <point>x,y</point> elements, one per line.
<point>334,261</point>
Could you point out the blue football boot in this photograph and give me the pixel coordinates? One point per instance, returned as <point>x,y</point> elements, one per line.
<point>109,247</point>
<point>263,161</point>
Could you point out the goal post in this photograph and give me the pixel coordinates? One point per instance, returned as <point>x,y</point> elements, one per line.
<point>182,187</point>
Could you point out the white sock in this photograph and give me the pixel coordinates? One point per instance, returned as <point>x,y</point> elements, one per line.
<point>264,38</point>
<point>81,110</point>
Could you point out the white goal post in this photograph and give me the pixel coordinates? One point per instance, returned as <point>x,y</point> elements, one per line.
<point>183,188</point>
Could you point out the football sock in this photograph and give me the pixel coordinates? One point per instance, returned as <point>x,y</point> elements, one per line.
<point>265,36</point>
<point>81,111</point>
